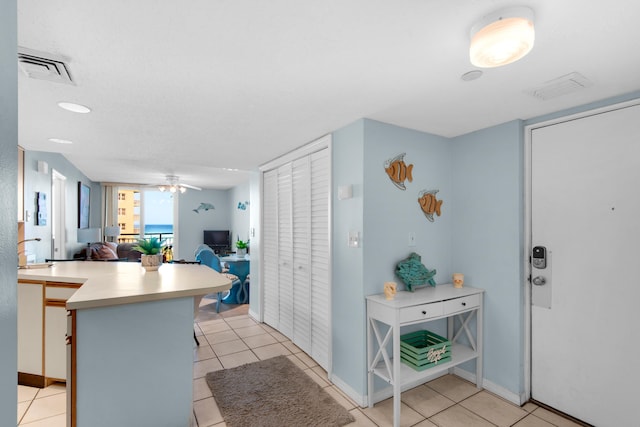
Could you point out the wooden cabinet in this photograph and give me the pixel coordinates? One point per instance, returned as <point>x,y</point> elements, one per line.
<point>42,326</point>
<point>296,274</point>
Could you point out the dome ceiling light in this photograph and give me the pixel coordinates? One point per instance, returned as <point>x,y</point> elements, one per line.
<point>502,37</point>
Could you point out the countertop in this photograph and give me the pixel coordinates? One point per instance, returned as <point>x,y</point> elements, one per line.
<point>114,283</point>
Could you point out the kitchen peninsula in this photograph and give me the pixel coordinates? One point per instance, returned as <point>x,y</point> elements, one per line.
<point>129,344</point>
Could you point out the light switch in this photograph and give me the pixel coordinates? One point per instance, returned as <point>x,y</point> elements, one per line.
<point>354,239</point>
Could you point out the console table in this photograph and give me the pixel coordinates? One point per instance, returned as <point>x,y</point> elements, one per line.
<point>410,308</point>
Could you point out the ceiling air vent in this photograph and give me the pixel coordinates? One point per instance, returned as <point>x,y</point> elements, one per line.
<point>44,66</point>
<point>564,85</point>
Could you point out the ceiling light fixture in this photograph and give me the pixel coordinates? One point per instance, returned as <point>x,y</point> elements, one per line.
<point>502,37</point>
<point>60,141</point>
<point>173,186</point>
<point>76,108</point>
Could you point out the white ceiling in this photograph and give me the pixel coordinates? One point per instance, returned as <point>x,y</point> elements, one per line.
<point>192,87</point>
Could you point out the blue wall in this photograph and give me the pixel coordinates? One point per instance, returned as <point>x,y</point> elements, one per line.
<point>35,181</point>
<point>192,224</point>
<point>488,242</point>
<point>480,180</point>
<point>384,215</point>
<point>8,211</point>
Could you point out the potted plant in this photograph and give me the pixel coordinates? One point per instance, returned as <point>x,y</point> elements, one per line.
<point>151,250</point>
<point>241,248</point>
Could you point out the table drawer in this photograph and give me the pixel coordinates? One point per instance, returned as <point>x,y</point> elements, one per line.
<point>421,312</point>
<point>461,304</point>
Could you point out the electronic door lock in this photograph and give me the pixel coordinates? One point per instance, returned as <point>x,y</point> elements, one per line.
<point>539,257</point>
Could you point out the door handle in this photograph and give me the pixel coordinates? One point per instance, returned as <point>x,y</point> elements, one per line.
<point>539,280</point>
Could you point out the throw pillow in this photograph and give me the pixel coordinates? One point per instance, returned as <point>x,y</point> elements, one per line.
<point>105,252</point>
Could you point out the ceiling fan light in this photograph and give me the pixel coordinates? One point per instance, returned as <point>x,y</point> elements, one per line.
<point>183,189</point>
<point>172,189</point>
<point>162,188</point>
<point>502,37</point>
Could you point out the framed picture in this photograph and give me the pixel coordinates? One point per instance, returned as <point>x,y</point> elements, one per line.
<point>84,197</point>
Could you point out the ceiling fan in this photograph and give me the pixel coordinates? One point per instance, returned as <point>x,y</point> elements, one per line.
<point>174,185</point>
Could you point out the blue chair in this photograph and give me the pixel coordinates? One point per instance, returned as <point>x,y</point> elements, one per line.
<point>210,259</point>
<point>240,269</point>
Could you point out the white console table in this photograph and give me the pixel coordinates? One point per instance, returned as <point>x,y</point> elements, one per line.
<point>425,304</point>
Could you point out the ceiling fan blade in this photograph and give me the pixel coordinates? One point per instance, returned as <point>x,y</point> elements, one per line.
<point>193,187</point>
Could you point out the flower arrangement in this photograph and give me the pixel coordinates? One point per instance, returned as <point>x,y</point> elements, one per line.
<point>241,244</point>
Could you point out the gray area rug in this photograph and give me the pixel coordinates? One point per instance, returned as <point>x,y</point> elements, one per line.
<point>273,393</point>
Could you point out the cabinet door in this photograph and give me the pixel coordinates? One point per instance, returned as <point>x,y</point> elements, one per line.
<point>320,180</point>
<point>301,222</point>
<point>30,327</point>
<point>271,309</point>
<point>55,358</point>
<point>285,251</point>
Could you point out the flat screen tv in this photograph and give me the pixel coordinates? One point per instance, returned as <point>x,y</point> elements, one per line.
<point>218,240</point>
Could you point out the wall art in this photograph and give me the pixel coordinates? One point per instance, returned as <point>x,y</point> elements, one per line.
<point>429,203</point>
<point>398,171</point>
<point>84,202</point>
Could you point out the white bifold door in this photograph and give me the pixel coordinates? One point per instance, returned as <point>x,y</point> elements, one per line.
<point>295,235</point>
<point>585,213</point>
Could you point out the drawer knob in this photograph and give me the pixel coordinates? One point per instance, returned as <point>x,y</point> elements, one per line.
<point>464,304</point>
<point>424,312</point>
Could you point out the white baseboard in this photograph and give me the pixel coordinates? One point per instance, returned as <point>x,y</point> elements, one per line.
<point>358,398</point>
<point>492,387</point>
<point>253,314</point>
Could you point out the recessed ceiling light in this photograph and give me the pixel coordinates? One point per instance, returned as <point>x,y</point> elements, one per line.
<point>60,141</point>
<point>230,169</point>
<point>76,108</point>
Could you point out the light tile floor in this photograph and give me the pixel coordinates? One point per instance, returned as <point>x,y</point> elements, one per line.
<point>232,338</point>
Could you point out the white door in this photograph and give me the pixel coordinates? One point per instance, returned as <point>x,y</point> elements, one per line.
<point>58,228</point>
<point>585,210</point>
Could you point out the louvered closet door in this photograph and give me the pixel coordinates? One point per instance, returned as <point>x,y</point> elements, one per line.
<point>301,181</point>
<point>271,307</point>
<point>285,251</point>
<point>320,262</point>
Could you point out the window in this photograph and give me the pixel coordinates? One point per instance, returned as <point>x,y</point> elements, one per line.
<point>122,211</point>
<point>122,196</point>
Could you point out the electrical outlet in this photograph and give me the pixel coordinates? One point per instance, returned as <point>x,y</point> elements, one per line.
<point>412,240</point>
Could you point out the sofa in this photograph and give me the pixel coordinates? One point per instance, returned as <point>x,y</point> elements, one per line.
<point>108,251</point>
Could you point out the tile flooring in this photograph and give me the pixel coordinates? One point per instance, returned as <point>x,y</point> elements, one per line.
<point>232,338</point>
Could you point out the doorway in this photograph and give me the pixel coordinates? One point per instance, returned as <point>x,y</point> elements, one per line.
<point>584,233</point>
<point>58,228</point>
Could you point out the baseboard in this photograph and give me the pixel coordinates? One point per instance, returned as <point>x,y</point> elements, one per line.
<point>494,388</point>
<point>358,398</point>
<point>253,314</point>
<point>32,380</point>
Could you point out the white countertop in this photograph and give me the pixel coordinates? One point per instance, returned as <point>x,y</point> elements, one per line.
<point>114,283</point>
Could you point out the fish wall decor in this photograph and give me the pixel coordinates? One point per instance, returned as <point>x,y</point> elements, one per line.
<point>429,203</point>
<point>204,207</point>
<point>398,171</point>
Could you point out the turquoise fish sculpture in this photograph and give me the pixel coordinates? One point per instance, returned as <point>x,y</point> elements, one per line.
<point>413,273</point>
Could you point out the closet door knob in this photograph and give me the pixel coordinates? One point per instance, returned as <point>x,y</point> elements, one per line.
<point>464,304</point>
<point>424,312</point>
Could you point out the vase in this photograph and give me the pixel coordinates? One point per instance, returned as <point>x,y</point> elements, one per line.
<point>151,262</point>
<point>241,252</point>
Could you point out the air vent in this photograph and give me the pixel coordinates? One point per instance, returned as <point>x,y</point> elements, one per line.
<point>564,85</point>
<point>44,66</point>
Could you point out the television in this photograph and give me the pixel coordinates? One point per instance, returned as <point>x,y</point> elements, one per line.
<point>218,240</point>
